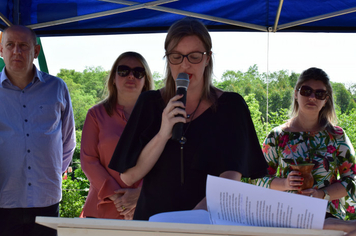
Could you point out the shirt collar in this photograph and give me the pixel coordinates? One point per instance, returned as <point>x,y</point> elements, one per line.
<point>38,75</point>
<point>3,76</point>
<point>120,111</point>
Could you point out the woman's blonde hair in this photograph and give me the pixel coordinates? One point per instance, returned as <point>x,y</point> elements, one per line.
<point>111,100</point>
<point>180,29</point>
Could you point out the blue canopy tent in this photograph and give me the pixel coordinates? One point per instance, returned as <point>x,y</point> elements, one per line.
<point>89,17</point>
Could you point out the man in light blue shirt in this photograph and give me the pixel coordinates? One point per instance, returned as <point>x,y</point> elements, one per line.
<point>37,136</point>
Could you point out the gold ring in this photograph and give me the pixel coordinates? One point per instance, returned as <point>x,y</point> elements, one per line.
<point>123,207</point>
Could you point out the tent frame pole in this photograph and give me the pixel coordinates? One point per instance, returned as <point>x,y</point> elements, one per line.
<point>4,19</point>
<point>99,14</point>
<point>317,18</point>
<point>150,5</point>
<point>277,15</point>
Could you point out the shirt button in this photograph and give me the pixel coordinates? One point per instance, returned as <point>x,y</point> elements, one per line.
<point>23,91</point>
<point>28,151</point>
<point>27,135</point>
<point>29,184</point>
<point>26,120</point>
<point>24,106</point>
<point>29,167</point>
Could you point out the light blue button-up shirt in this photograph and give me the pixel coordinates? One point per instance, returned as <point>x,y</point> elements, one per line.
<point>37,141</point>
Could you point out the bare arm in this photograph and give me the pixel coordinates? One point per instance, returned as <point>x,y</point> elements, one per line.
<point>348,226</point>
<point>335,190</point>
<point>153,150</point>
<point>146,160</point>
<point>294,181</point>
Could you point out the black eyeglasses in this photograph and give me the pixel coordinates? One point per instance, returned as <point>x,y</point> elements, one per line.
<point>306,91</point>
<point>193,57</point>
<point>138,72</point>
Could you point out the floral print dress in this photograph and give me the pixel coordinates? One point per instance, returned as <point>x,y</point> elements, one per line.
<point>333,156</point>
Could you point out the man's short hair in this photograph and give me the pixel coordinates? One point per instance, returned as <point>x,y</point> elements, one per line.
<point>32,32</point>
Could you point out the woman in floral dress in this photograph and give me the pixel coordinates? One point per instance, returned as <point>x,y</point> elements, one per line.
<point>311,136</point>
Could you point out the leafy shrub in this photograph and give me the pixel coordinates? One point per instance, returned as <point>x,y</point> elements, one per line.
<point>74,192</point>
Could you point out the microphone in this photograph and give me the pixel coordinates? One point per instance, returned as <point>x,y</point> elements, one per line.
<point>182,83</point>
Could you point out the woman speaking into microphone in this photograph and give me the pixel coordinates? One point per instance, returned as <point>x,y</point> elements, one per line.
<point>218,135</point>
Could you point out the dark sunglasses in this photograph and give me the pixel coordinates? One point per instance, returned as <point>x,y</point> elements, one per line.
<point>124,71</point>
<point>306,91</point>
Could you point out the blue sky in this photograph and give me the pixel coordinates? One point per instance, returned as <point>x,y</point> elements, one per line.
<point>333,52</point>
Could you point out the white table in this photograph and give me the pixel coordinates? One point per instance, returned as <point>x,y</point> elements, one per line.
<point>91,226</point>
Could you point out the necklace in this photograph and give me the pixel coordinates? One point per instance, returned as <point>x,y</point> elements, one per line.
<point>193,113</point>
<point>183,140</point>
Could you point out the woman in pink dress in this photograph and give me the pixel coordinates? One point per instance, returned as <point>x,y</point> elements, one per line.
<point>108,196</point>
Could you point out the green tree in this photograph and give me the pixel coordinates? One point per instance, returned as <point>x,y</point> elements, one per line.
<point>279,87</point>
<point>352,90</point>
<point>256,116</point>
<point>72,75</point>
<point>280,90</point>
<point>293,78</point>
<point>75,164</point>
<point>158,80</point>
<point>347,121</point>
<point>94,81</point>
<point>242,83</point>
<point>342,97</point>
<point>82,95</point>
<point>276,118</point>
<point>81,102</point>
